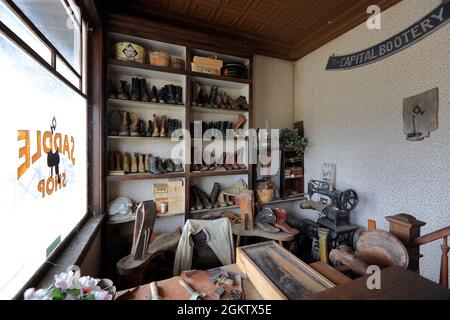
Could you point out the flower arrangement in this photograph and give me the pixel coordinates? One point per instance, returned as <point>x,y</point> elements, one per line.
<point>71,286</point>
<point>293,139</point>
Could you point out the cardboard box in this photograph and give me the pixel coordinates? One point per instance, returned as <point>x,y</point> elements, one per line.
<point>176,196</point>
<point>208,62</point>
<point>207,70</point>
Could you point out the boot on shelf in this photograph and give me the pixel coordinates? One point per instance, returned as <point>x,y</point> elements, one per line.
<point>123,94</point>
<point>228,164</point>
<point>240,121</point>
<point>142,128</point>
<point>171,127</point>
<point>198,202</point>
<point>145,96</point>
<point>118,161</point>
<point>240,103</point>
<point>126,162</point>
<point>162,95</point>
<point>111,161</point>
<point>213,97</point>
<point>147,162</point>
<point>124,130</point>
<point>154,169</point>
<point>169,165</point>
<point>154,95</point>
<point>134,125</point>
<point>179,95</point>
<point>162,126</point>
<point>155,126</point>
<point>220,163</point>
<point>192,200</point>
<point>195,93</point>
<point>204,198</point>
<point>149,131</point>
<point>141,163</point>
<point>196,167</point>
<point>112,91</point>
<point>170,94</point>
<point>240,159</point>
<point>178,165</point>
<point>135,89</point>
<point>160,165</point>
<point>214,195</point>
<point>134,163</point>
<point>114,122</point>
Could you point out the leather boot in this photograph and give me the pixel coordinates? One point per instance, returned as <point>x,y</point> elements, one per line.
<point>195,93</point>
<point>234,166</point>
<point>220,163</point>
<point>147,162</point>
<point>154,169</point>
<point>145,96</point>
<point>124,130</point>
<point>162,95</point>
<point>170,93</point>
<point>135,89</point>
<point>202,98</point>
<point>141,164</point>
<point>123,94</point>
<point>240,103</point>
<point>160,165</point>
<point>198,202</point>
<point>228,102</point>
<point>281,223</point>
<point>192,200</point>
<point>126,162</point>
<point>134,126</point>
<point>170,166</point>
<point>213,97</point>
<point>162,126</point>
<point>204,198</point>
<point>154,95</point>
<point>149,131</point>
<point>219,101</point>
<point>228,161</point>
<point>170,127</point>
<point>134,163</point>
<point>240,159</point>
<point>178,165</point>
<point>179,95</point>
<point>142,128</point>
<point>214,195</point>
<point>155,126</point>
<point>118,161</point>
<point>240,122</point>
<point>114,122</point>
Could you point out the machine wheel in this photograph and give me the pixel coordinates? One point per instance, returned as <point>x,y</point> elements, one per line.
<point>348,200</point>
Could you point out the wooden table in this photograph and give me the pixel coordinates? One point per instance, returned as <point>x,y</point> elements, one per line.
<point>396,284</point>
<point>239,231</point>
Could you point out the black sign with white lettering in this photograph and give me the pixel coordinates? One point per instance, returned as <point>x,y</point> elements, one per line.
<point>436,19</point>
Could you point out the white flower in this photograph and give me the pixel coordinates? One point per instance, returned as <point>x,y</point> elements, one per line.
<point>32,294</point>
<point>102,295</point>
<point>88,283</point>
<point>68,280</point>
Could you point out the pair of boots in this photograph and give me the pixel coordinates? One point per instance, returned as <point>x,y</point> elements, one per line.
<point>129,124</point>
<point>227,161</point>
<point>159,126</point>
<point>126,162</point>
<point>215,99</point>
<point>170,94</point>
<point>157,165</point>
<point>199,199</point>
<point>139,91</point>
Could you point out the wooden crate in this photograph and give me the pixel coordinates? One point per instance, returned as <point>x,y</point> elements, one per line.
<point>277,274</point>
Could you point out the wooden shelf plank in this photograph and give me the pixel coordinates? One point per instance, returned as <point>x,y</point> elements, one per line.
<point>219,173</point>
<point>217,110</point>
<point>286,200</point>
<point>143,105</point>
<point>221,78</point>
<point>145,176</point>
<point>145,66</point>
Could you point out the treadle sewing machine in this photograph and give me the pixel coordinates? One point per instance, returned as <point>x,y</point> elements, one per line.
<point>334,209</point>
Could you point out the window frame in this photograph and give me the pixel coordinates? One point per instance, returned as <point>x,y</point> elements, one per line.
<point>90,224</point>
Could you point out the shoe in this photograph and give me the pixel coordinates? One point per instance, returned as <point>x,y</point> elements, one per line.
<point>147,162</point>
<point>124,130</point>
<point>141,163</point>
<point>178,165</point>
<point>179,95</point>
<point>154,169</point>
<point>169,165</point>
<point>142,128</point>
<point>162,126</point>
<point>171,127</point>
<point>135,89</point>
<point>228,161</point>
<point>160,165</point>
<point>134,163</point>
<point>240,159</point>
<point>192,200</point>
<point>118,161</point>
<point>202,98</point>
<point>265,220</point>
<point>155,126</point>
<point>145,96</point>
<point>114,122</point>
<point>195,93</point>
<point>123,94</point>
<point>198,202</point>
<point>240,122</point>
<point>134,126</point>
<point>162,95</point>
<point>204,198</point>
<point>281,223</point>
<point>214,195</point>
<point>240,103</point>
<point>149,131</point>
<point>170,94</point>
<point>154,95</point>
<point>213,97</point>
<point>126,162</point>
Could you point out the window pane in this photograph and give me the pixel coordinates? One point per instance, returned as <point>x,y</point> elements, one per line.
<point>52,19</point>
<point>63,70</point>
<point>38,207</point>
<point>18,27</point>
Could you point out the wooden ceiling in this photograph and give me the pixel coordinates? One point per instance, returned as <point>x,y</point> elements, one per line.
<point>287,29</point>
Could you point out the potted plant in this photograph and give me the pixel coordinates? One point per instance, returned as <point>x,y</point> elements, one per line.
<point>291,138</point>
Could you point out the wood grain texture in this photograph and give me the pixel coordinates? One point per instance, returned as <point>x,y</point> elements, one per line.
<point>283,29</point>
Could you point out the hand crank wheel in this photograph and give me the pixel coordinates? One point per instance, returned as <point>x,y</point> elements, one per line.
<point>348,199</point>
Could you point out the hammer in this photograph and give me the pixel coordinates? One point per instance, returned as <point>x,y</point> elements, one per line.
<point>194,294</point>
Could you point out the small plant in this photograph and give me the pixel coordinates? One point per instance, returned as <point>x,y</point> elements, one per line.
<point>293,139</point>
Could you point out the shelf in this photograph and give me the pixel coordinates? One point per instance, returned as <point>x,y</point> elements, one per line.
<point>222,84</point>
<point>145,66</point>
<point>144,105</point>
<point>221,78</point>
<point>214,209</point>
<point>286,200</point>
<point>145,176</point>
<point>143,138</point>
<point>216,110</point>
<point>219,173</point>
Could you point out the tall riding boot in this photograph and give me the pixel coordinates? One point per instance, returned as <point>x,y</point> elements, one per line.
<point>134,125</point>
<point>240,159</point>
<point>145,96</point>
<point>170,166</point>
<point>124,129</point>
<point>154,165</point>
<point>204,198</point>
<point>162,95</point>
<point>134,163</point>
<point>214,195</point>
<point>154,95</point>
<point>149,131</point>
<point>170,93</point>
<point>198,202</point>
<point>228,161</point>
<point>162,126</point>
<point>141,163</point>
<point>195,93</point>
<point>123,94</point>
<point>160,165</point>
<point>118,161</point>
<point>147,162</point>
<point>135,89</point>
<point>155,126</point>
<point>179,95</point>
<point>212,97</point>
<point>126,162</point>
<point>142,128</point>
<point>234,166</point>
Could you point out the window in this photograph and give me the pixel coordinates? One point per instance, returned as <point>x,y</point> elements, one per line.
<point>44,151</point>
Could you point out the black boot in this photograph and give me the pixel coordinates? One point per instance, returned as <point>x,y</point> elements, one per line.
<point>170,166</point>
<point>124,93</point>
<point>198,202</point>
<point>179,95</point>
<point>144,91</point>
<point>204,198</point>
<point>162,95</point>
<point>135,89</point>
<point>154,95</point>
<point>214,195</point>
<point>170,93</point>
<point>160,165</point>
<point>213,97</point>
<point>149,131</point>
<point>153,167</point>
<point>142,128</point>
<point>195,93</point>
<point>171,127</point>
<point>178,165</point>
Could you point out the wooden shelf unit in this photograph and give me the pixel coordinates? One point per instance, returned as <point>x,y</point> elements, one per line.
<point>189,112</point>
